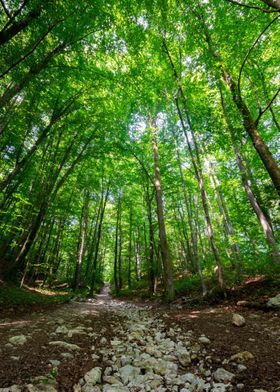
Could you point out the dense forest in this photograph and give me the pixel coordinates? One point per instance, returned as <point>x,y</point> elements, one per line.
<point>139,143</point>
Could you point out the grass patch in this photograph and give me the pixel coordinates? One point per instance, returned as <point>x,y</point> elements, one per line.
<point>11,295</point>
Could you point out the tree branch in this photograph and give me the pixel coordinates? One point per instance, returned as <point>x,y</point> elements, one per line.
<point>267,106</point>
<point>252,7</point>
<point>250,50</point>
<point>24,57</point>
<point>5,9</point>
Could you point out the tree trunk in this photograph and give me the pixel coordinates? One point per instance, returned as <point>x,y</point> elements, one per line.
<point>129,250</point>
<point>167,268</point>
<point>194,253</point>
<point>97,243</point>
<point>262,218</point>
<point>151,272</point>
<point>116,280</point>
<point>200,180</point>
<point>272,3</point>
<point>250,125</point>
<point>197,168</point>
<point>83,233</point>
<point>17,26</point>
<point>12,91</point>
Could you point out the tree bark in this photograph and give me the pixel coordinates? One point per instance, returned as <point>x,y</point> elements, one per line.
<point>167,268</point>
<point>97,243</point>
<point>250,125</point>
<point>116,280</point>
<point>16,27</point>
<point>83,233</point>
<point>272,3</point>
<point>151,272</point>
<point>199,177</point>
<point>12,91</point>
<point>262,218</point>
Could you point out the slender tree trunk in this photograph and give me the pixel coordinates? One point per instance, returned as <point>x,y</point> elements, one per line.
<point>129,250</point>
<point>151,242</point>
<point>98,239</point>
<point>200,180</point>
<point>194,253</point>
<point>272,3</point>
<point>227,223</point>
<point>116,251</point>
<point>17,26</point>
<point>197,167</point>
<point>83,233</point>
<point>167,268</point>
<point>262,218</point>
<point>120,254</point>
<point>12,91</point>
<point>250,125</point>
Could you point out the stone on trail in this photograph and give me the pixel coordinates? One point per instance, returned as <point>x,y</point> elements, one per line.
<point>242,356</point>
<point>67,346</point>
<point>103,341</point>
<point>66,355</point>
<point>90,388</point>
<point>18,340</point>
<point>115,388</point>
<point>93,376</point>
<point>128,373</point>
<point>219,387</point>
<point>111,380</point>
<point>184,358</point>
<point>222,375</point>
<point>13,388</point>
<point>61,329</point>
<point>54,362</point>
<point>260,390</point>
<point>238,320</point>
<point>204,340</point>
<point>274,302</point>
<point>42,387</point>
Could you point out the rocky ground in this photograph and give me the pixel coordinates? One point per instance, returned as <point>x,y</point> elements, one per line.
<point>111,345</point>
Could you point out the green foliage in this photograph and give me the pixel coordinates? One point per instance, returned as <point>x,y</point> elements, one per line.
<point>81,84</point>
<point>11,296</point>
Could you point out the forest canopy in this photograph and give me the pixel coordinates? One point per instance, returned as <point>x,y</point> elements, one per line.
<point>139,142</point>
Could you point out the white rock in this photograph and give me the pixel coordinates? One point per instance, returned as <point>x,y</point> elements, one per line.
<point>54,362</point>
<point>15,388</point>
<point>128,373</point>
<point>18,340</point>
<point>242,356</point>
<point>67,346</point>
<point>103,340</point>
<point>184,358</point>
<point>67,355</point>
<point>222,375</point>
<point>260,390</point>
<point>238,320</point>
<point>204,340</point>
<point>111,380</point>
<point>274,302</point>
<point>219,387</point>
<point>114,388</point>
<point>41,388</point>
<point>188,377</point>
<point>93,376</point>
<point>61,329</point>
<point>90,388</point>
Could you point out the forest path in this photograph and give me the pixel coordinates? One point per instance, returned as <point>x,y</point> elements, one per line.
<point>111,345</point>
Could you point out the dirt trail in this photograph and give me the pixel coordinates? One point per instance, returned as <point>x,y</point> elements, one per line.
<point>111,345</point>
